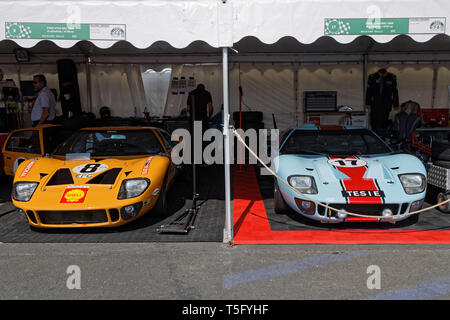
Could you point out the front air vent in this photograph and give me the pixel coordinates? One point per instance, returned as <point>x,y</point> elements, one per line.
<point>114,215</point>
<point>366,209</point>
<point>73,217</point>
<point>404,208</point>
<point>62,176</point>
<point>31,216</point>
<point>107,177</point>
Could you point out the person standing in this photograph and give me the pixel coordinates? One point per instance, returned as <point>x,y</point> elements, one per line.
<point>200,108</point>
<point>202,101</point>
<point>44,107</point>
<point>381,95</point>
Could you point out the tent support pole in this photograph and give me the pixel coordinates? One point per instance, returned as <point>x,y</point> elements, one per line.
<point>88,82</point>
<point>296,70</point>
<point>434,87</point>
<point>228,236</point>
<point>364,78</point>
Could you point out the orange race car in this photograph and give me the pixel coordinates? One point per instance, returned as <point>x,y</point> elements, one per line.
<point>99,177</point>
<point>23,144</point>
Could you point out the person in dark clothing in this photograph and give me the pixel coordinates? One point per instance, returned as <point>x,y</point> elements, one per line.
<point>199,105</point>
<point>202,100</point>
<point>381,95</point>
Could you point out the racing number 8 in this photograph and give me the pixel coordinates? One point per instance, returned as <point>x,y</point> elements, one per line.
<point>90,168</point>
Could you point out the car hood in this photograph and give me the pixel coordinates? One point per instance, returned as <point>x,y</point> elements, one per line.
<point>86,182</point>
<point>336,175</point>
<point>54,172</point>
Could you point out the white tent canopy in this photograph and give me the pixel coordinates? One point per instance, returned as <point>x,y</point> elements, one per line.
<point>368,32</point>
<point>218,23</point>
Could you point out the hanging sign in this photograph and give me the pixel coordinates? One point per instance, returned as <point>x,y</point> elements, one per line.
<point>361,26</point>
<point>65,31</point>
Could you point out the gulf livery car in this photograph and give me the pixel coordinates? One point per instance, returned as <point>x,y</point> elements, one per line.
<point>99,177</point>
<point>347,168</point>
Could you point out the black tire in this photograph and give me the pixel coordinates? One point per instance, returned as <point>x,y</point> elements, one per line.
<point>248,116</point>
<point>443,197</point>
<point>160,208</point>
<point>280,205</point>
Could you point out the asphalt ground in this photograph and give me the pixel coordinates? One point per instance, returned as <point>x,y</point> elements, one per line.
<point>213,271</point>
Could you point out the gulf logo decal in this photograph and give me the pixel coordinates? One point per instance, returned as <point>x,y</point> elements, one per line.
<point>74,194</point>
<point>27,169</point>
<point>146,166</point>
<point>356,189</point>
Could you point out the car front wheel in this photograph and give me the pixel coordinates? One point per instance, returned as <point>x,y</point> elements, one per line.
<point>280,205</point>
<point>160,208</point>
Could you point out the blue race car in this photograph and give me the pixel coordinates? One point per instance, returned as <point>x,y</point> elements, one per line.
<point>347,168</point>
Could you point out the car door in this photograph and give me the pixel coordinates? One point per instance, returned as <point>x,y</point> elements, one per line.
<point>21,145</point>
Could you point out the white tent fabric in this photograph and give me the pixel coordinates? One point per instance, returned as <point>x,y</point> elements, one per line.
<point>271,88</point>
<point>218,23</point>
<point>205,74</point>
<point>156,81</point>
<point>177,22</point>
<point>270,20</point>
<point>266,88</point>
<point>107,87</point>
<point>123,87</point>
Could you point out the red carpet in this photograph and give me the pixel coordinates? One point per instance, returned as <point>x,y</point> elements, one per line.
<point>252,227</point>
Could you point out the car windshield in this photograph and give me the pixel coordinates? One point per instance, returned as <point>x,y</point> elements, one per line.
<point>334,142</point>
<point>111,143</point>
<point>24,141</point>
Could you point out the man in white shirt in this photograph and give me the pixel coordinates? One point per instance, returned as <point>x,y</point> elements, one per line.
<point>44,106</point>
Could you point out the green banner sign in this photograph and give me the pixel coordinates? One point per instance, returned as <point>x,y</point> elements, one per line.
<point>372,26</point>
<point>64,31</point>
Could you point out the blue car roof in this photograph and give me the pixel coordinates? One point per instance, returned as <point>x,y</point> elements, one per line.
<point>312,126</point>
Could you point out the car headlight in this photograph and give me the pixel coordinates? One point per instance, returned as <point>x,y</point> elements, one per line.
<point>304,184</point>
<point>132,188</point>
<point>23,191</point>
<point>413,182</point>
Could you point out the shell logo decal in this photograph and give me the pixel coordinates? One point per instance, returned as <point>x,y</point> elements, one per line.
<point>74,194</point>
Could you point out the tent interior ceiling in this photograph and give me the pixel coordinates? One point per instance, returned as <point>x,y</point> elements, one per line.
<point>247,47</point>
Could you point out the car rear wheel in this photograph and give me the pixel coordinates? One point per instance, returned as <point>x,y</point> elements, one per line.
<point>160,208</point>
<point>280,205</point>
<point>443,197</point>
